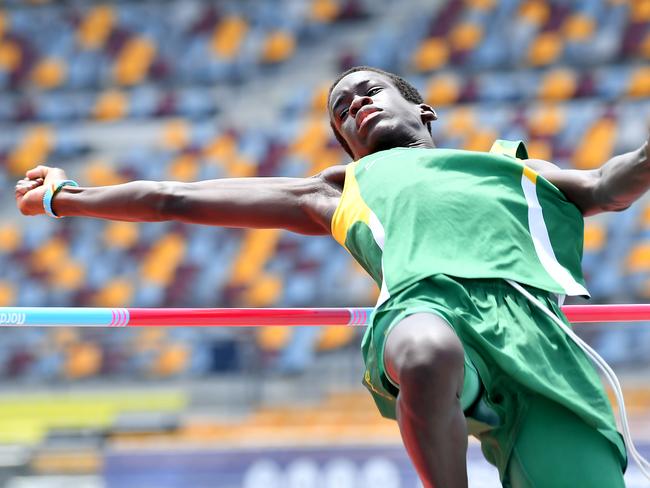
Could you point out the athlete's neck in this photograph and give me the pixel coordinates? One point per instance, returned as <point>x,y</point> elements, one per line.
<point>426,143</point>
<point>422,143</point>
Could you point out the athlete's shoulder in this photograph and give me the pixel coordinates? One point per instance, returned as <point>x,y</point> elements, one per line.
<point>333,176</point>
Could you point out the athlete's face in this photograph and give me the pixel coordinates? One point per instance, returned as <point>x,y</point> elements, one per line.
<point>371,115</point>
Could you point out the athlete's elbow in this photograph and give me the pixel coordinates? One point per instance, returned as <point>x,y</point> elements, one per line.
<point>171,202</point>
<point>603,200</point>
<point>613,205</point>
<point>594,195</point>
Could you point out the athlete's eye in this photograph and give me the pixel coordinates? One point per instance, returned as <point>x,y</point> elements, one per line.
<point>374,90</point>
<point>343,113</point>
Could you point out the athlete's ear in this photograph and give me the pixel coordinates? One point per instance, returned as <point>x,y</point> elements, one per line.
<point>427,113</point>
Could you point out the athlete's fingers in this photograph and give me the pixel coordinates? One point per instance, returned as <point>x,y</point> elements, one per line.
<point>39,171</point>
<point>42,171</point>
<point>25,185</point>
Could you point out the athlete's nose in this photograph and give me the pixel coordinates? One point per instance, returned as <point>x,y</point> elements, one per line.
<point>357,103</point>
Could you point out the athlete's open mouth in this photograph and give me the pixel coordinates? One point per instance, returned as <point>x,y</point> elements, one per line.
<point>364,114</point>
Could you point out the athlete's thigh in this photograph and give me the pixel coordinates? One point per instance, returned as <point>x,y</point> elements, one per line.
<point>557,449</point>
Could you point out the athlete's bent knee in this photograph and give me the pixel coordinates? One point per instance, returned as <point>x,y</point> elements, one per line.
<point>424,355</point>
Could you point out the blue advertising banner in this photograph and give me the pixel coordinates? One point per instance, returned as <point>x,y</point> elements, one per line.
<point>300,467</point>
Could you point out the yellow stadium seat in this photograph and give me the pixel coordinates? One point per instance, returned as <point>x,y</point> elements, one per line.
<point>460,122</point>
<point>175,134</point>
<point>228,37</point>
<point>278,46</point>
<point>339,418</point>
<point>111,105</point>
<point>558,84</point>
<point>535,12</point>
<point>172,360</point>
<point>64,337</point>
<point>442,90</point>
<point>273,339</point>
<point>32,150</point>
<point>82,360</point>
<point>644,48</point>
<point>122,235</point>
<point>639,258</point>
<point>547,119</point>
<point>431,54</point>
<point>10,238</point>
<point>640,11</point>
<point>202,430</point>
<point>335,338</point>
<point>150,339</point>
<point>264,291</point>
<point>185,167</point>
<point>313,138</point>
<point>481,4</point>
<point>324,10</point>
<point>96,26</point>
<point>595,236</point>
<point>540,149</point>
<point>49,255</point>
<point>116,293</point>
<point>49,73</point>
<point>465,36</point>
<point>596,146</point>
<point>99,173</point>
<point>319,99</point>
<point>578,27</point>
<point>133,62</point>
<point>171,247</point>
<point>639,85</point>
<point>11,55</point>
<point>256,248</point>
<point>221,148</point>
<point>4,23</point>
<point>7,294</point>
<point>644,221</point>
<point>69,275</point>
<point>160,264</point>
<point>67,462</point>
<point>545,49</point>
<point>324,158</point>
<point>480,140</point>
<point>240,167</point>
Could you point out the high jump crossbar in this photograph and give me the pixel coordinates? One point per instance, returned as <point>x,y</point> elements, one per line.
<point>254,317</point>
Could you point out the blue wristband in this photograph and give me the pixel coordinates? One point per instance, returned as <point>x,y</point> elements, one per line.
<point>50,193</point>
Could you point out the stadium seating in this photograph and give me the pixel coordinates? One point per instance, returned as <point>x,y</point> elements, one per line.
<point>567,78</point>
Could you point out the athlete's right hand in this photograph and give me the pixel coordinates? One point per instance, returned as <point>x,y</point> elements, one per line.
<point>30,190</point>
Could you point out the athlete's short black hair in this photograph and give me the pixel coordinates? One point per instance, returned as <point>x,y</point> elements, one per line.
<point>408,91</point>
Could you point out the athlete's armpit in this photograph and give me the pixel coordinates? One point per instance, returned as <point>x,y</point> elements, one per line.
<point>578,186</point>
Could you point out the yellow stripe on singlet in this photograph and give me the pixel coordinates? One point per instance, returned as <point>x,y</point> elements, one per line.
<point>530,174</point>
<point>351,207</point>
<point>515,150</point>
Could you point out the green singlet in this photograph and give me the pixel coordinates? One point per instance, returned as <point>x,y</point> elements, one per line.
<point>440,231</point>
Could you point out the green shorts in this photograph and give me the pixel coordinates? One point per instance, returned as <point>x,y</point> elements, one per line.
<point>522,360</point>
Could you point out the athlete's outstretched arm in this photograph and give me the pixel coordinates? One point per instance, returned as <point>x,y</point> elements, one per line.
<point>614,186</point>
<point>302,205</point>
